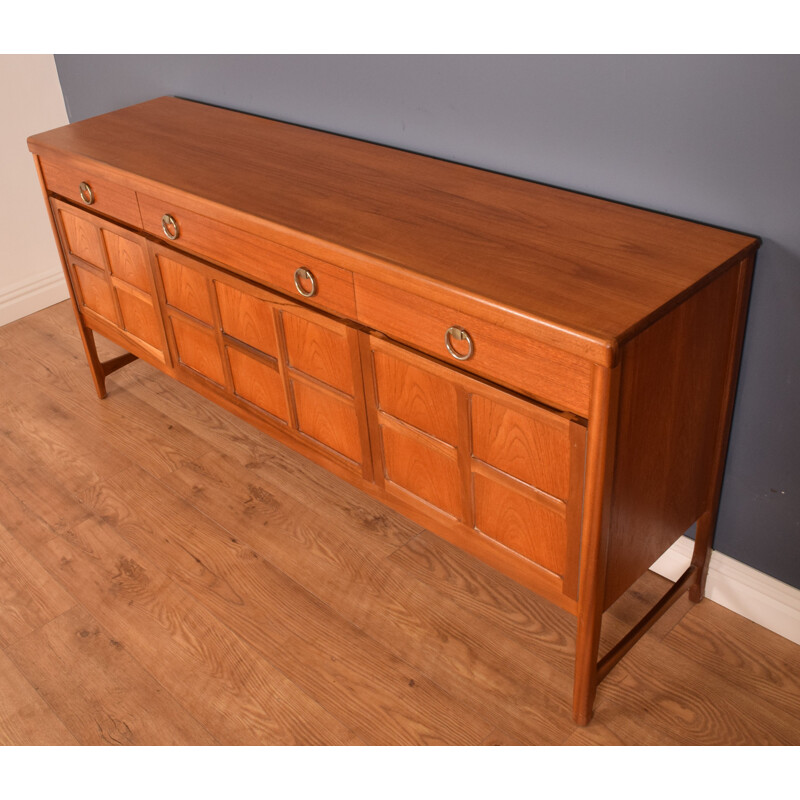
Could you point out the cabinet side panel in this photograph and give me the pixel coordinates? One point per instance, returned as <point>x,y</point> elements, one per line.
<point>672,394</point>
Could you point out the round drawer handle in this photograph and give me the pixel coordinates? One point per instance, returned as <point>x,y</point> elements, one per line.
<point>170,226</point>
<point>305,274</point>
<point>461,335</point>
<point>87,195</point>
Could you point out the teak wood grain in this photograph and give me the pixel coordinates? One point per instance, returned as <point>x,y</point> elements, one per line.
<point>531,445</point>
<point>196,348</point>
<point>328,418</point>
<point>544,379</point>
<point>676,380</point>
<point>127,259</point>
<point>258,382</point>
<point>435,428</point>
<point>407,391</point>
<point>112,277</point>
<point>247,318</point>
<point>520,521</point>
<point>185,288</point>
<point>319,348</point>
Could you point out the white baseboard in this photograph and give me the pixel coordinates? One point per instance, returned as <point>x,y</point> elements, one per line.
<point>756,596</point>
<point>33,294</point>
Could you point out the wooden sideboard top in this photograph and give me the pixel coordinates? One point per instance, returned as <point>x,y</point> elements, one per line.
<point>595,268</point>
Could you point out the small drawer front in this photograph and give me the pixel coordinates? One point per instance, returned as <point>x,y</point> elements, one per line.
<point>551,376</point>
<point>289,271</point>
<point>86,187</point>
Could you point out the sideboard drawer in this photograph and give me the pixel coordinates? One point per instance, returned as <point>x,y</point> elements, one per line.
<point>289,271</point>
<point>86,187</point>
<point>551,376</point>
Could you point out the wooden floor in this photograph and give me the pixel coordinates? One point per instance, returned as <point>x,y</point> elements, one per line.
<point>168,575</point>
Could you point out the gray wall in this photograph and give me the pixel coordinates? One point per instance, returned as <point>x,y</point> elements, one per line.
<point>714,138</point>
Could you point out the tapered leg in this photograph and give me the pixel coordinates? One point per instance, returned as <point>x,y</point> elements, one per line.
<point>95,365</point>
<point>707,523</point>
<point>87,335</point>
<point>704,538</point>
<point>587,642</point>
<point>601,436</point>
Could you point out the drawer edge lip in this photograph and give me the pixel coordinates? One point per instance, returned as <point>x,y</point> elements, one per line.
<point>568,411</point>
<point>275,292</point>
<point>589,346</point>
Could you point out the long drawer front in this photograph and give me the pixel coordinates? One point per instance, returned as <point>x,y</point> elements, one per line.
<point>285,269</point>
<point>522,363</point>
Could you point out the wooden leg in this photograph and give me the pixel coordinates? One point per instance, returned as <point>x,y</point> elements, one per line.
<point>587,643</point>
<point>707,523</point>
<point>95,365</point>
<point>601,436</point>
<point>100,369</point>
<point>704,539</point>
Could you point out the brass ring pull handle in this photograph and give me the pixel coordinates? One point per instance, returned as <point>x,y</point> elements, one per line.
<point>170,227</point>
<point>303,273</point>
<point>87,195</point>
<point>461,335</point>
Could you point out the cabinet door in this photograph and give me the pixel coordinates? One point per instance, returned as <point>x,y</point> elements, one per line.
<point>499,474</point>
<point>286,364</point>
<point>112,280</point>
<point>417,425</point>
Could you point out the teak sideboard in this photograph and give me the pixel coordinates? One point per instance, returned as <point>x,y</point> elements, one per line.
<point>543,378</point>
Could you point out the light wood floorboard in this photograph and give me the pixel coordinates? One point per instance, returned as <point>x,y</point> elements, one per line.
<point>169,575</point>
